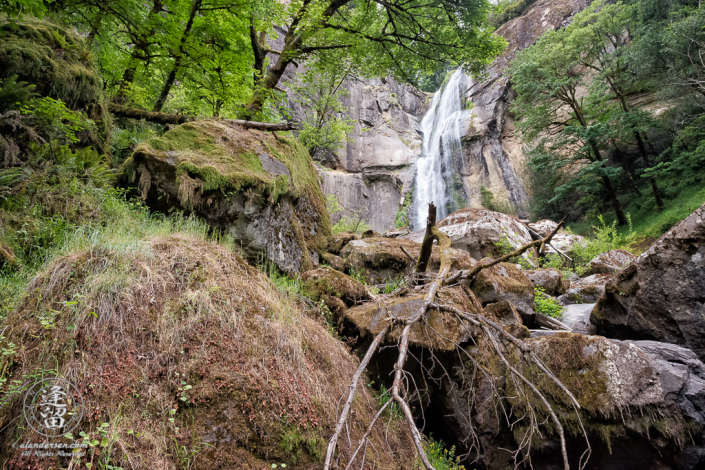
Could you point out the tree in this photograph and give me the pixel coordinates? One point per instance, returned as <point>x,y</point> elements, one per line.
<point>557,118</point>
<point>401,35</point>
<point>600,36</point>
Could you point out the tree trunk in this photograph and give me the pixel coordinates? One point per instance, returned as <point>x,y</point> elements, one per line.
<point>625,166</point>
<point>171,78</point>
<point>611,193</point>
<point>139,53</point>
<point>427,245</point>
<point>164,118</point>
<point>647,164</point>
<point>95,27</point>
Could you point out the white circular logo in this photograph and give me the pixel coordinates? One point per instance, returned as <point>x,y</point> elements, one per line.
<point>53,407</point>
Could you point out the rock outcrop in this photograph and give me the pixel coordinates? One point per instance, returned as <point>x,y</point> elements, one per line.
<point>373,172</point>
<point>260,189</point>
<point>661,295</point>
<point>493,155</point>
<point>562,240</point>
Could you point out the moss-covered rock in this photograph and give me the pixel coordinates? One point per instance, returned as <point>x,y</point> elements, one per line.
<point>327,283</point>
<point>339,240</point>
<point>57,61</point>
<point>261,189</point>
<point>505,281</point>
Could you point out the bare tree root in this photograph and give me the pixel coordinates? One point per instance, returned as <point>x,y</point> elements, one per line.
<point>489,328</point>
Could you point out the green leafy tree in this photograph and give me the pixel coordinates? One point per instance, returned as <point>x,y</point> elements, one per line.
<point>563,125</point>
<point>401,36</point>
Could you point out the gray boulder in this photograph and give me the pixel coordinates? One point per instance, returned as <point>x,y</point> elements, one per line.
<point>586,290</point>
<point>550,280</point>
<point>609,263</point>
<point>661,295</point>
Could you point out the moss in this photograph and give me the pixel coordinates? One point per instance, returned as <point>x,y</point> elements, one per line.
<point>57,62</point>
<point>226,158</point>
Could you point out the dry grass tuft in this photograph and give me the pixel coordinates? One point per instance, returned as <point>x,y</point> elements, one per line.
<point>182,347</point>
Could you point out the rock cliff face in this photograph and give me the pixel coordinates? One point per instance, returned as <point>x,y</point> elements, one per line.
<point>492,154</point>
<point>376,169</point>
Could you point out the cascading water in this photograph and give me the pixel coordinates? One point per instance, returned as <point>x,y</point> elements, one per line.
<point>441,132</point>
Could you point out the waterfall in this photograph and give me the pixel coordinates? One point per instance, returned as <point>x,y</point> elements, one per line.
<point>441,131</point>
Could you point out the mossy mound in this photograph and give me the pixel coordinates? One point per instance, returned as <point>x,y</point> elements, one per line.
<point>322,282</point>
<point>52,58</point>
<point>57,62</point>
<point>260,188</point>
<point>183,349</point>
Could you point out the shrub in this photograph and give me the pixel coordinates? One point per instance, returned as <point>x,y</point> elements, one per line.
<point>546,304</point>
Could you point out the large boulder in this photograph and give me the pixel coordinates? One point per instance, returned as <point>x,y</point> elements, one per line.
<point>260,189</point>
<point>441,330</point>
<point>504,281</point>
<point>380,259</point>
<point>480,232</point>
<point>184,328</point>
<point>609,263</point>
<point>660,296</point>
<point>641,404</point>
<point>550,280</point>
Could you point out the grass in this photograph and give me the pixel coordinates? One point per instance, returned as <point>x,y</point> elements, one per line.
<point>547,305</point>
<point>648,223</point>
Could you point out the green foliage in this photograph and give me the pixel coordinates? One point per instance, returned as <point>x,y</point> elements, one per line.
<point>401,220</point>
<point>294,442</point>
<point>317,93</point>
<point>546,304</point>
<point>56,121</point>
<point>605,238</point>
<point>504,247</point>
<point>489,202</point>
<point>345,220</point>
<point>457,194</point>
<point>440,457</point>
<point>14,93</point>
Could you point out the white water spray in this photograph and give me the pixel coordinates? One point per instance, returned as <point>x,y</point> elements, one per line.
<point>441,129</point>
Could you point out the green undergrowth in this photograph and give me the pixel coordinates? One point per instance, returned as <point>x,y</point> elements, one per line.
<point>647,222</point>
<point>546,304</point>
<point>402,218</point>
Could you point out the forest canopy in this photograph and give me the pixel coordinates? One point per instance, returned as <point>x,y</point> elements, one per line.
<point>229,58</point>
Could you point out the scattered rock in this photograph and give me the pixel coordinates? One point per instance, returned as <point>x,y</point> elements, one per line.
<point>586,290</point>
<point>551,280</point>
<point>609,263</point>
<point>661,295</point>
<point>260,189</point>
<point>509,318</point>
<point>370,234</point>
<point>339,240</point>
<point>321,282</point>
<point>561,240</point>
<point>381,259</point>
<point>505,281</point>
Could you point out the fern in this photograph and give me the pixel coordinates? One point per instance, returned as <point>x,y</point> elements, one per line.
<point>14,93</point>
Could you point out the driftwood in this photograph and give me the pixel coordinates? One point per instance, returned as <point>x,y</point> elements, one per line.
<point>498,338</point>
<point>165,118</point>
<point>551,323</point>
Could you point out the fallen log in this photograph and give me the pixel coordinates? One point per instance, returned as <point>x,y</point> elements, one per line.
<point>166,118</point>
